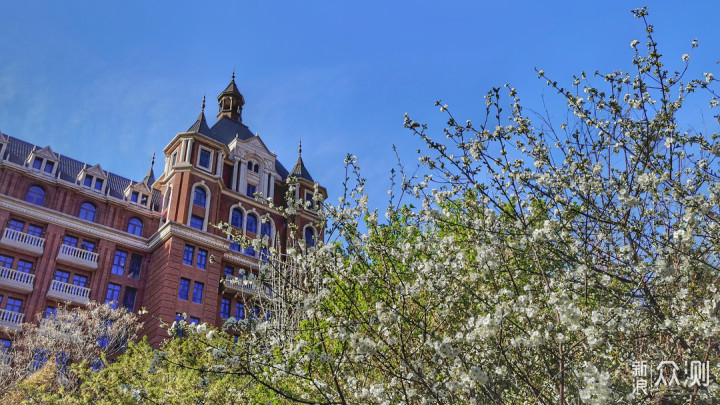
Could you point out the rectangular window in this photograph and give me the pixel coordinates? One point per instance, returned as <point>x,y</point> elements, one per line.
<point>225,308</point>
<point>62,276</point>
<point>135,266</point>
<point>113,295</point>
<point>118,266</point>
<point>251,188</point>
<point>70,241</point>
<point>194,320</point>
<point>13,304</point>
<point>184,289</point>
<point>34,230</point>
<point>49,166</point>
<point>6,261</point>
<point>229,270</point>
<point>50,313</point>
<point>24,266</point>
<point>173,159</point>
<point>204,158</point>
<point>80,281</point>
<point>129,298</point>
<point>16,225</point>
<point>188,255</point>
<point>198,292</point>
<point>87,245</point>
<point>98,184</point>
<point>88,181</point>
<point>4,345</point>
<point>239,311</point>
<point>196,222</point>
<point>134,196</point>
<point>179,318</point>
<point>202,259</point>
<point>143,199</point>
<point>37,163</point>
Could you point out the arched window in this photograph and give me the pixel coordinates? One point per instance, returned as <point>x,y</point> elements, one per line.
<point>35,195</point>
<point>135,226</point>
<point>309,237</point>
<point>249,166</point>
<point>251,223</point>
<point>256,168</point>
<point>200,197</point>
<point>236,218</point>
<point>87,212</point>
<point>266,228</point>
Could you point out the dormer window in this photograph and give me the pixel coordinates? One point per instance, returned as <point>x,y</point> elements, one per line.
<point>43,160</point>
<point>93,182</point>
<point>204,160</point>
<point>94,178</point>
<point>44,165</point>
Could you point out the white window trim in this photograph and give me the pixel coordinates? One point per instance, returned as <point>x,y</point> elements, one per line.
<point>315,232</point>
<point>208,169</point>
<point>208,199</point>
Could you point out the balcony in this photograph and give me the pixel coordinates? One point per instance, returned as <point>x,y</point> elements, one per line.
<point>23,241</point>
<point>16,280</point>
<point>11,320</point>
<point>77,257</point>
<point>246,286</point>
<point>68,292</point>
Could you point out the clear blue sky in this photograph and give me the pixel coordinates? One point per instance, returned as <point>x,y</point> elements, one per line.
<point>113,82</point>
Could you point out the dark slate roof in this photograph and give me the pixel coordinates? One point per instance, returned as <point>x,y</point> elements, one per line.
<point>200,126</point>
<point>300,171</point>
<point>231,88</point>
<point>68,170</point>
<point>225,130</point>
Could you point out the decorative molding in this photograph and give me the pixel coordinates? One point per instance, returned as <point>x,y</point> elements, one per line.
<point>45,178</point>
<point>75,224</point>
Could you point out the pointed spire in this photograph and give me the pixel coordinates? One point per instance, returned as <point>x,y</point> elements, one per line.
<point>200,126</point>
<point>300,171</point>
<point>150,176</point>
<point>231,101</point>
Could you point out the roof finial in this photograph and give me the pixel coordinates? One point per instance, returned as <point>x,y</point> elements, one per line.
<point>152,162</point>
<point>299,147</point>
<point>203,103</point>
<point>233,76</point>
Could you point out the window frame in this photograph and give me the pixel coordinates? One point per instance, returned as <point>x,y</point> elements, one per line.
<point>210,156</point>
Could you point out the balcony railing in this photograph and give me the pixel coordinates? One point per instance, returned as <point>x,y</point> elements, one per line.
<point>11,320</point>
<point>16,280</point>
<point>68,292</point>
<point>23,241</point>
<point>79,257</point>
<point>245,286</point>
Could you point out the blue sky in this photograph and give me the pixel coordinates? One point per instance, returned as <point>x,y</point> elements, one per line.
<point>111,83</point>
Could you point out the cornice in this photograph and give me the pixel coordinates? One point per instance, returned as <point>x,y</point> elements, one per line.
<point>173,228</point>
<point>44,177</point>
<point>69,222</point>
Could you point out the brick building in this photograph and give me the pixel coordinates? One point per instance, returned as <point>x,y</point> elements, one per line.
<point>70,231</point>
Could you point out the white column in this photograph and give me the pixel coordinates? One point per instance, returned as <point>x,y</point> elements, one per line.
<point>261,186</point>
<point>181,155</point>
<point>243,177</point>
<point>271,193</point>
<point>219,166</point>
<point>233,185</point>
<point>189,151</point>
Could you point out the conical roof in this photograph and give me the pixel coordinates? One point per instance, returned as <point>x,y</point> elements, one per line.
<point>200,126</point>
<point>300,171</point>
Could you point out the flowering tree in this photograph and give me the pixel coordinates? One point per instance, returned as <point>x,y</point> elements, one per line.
<point>83,337</point>
<point>544,264</point>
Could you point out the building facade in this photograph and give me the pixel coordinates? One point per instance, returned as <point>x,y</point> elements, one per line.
<point>72,232</point>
